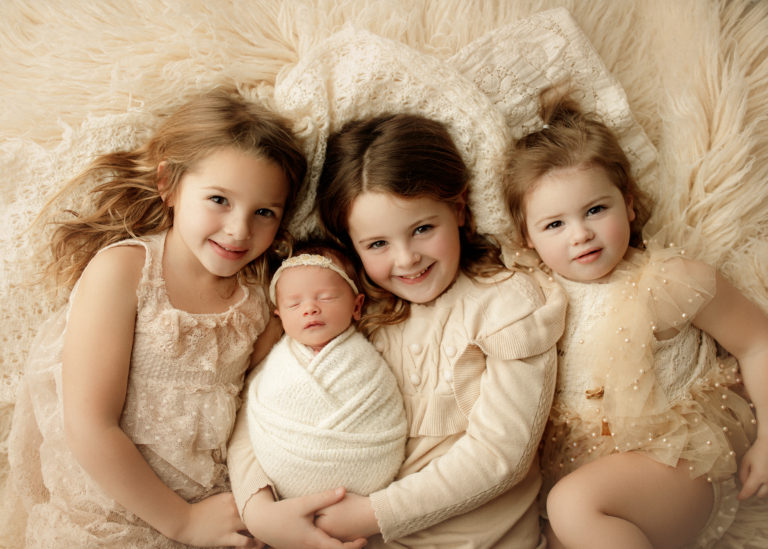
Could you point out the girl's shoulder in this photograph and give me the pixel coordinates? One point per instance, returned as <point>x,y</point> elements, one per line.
<point>122,264</point>
<point>668,267</point>
<point>119,261</point>
<point>111,277</point>
<point>512,295</point>
<point>674,287</point>
<point>507,286</point>
<point>514,313</point>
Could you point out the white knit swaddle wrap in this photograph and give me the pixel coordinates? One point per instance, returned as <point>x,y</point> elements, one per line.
<point>332,419</point>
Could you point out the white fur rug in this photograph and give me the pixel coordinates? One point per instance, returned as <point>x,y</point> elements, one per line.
<point>81,78</point>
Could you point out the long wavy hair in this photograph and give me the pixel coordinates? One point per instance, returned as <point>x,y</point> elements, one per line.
<point>126,202</point>
<point>568,139</point>
<point>409,156</point>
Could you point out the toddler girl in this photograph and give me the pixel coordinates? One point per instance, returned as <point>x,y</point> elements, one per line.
<point>645,433</point>
<point>323,409</point>
<point>132,388</point>
<point>471,343</point>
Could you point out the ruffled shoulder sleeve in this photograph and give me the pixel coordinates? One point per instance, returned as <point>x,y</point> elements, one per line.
<point>650,293</point>
<point>518,317</point>
<point>676,287</point>
<point>523,317</point>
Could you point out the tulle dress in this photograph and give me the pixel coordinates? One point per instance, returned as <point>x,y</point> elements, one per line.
<point>185,377</point>
<point>621,387</point>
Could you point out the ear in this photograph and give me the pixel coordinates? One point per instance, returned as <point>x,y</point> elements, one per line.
<point>277,312</point>
<point>461,209</point>
<point>357,312</point>
<point>162,184</point>
<point>630,209</point>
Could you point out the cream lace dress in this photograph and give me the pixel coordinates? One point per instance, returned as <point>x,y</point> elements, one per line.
<point>185,377</point>
<point>620,388</point>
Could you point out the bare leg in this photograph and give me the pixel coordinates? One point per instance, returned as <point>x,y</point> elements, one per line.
<point>628,500</point>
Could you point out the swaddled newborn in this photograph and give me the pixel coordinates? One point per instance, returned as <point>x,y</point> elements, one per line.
<point>324,410</point>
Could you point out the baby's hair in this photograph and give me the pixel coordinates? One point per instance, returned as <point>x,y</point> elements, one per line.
<point>568,139</point>
<point>412,157</point>
<point>126,202</point>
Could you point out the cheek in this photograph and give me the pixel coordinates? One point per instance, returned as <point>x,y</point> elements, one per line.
<point>551,251</point>
<point>375,267</point>
<point>621,230</point>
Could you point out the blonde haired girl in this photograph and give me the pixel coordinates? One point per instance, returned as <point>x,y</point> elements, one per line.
<point>132,388</point>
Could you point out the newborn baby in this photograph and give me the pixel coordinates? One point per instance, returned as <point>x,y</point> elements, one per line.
<point>324,410</point>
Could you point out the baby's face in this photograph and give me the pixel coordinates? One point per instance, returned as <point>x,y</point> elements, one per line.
<point>315,304</point>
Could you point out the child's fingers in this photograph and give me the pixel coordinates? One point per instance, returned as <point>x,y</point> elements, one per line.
<point>243,538</point>
<point>357,544</point>
<point>746,492</point>
<point>328,542</point>
<point>752,484</point>
<point>744,471</point>
<point>314,502</point>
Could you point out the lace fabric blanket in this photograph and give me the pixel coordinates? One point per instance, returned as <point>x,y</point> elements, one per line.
<point>684,84</point>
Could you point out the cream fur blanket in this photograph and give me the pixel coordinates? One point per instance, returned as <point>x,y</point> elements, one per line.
<point>81,78</point>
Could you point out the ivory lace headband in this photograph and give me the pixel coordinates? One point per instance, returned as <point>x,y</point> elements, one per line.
<point>308,260</point>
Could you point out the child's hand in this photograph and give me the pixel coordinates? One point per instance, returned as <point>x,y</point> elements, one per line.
<point>349,519</point>
<point>215,522</point>
<point>289,524</point>
<point>753,472</point>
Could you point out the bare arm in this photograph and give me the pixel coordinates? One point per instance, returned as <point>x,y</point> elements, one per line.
<point>96,362</point>
<point>267,339</point>
<point>741,328</point>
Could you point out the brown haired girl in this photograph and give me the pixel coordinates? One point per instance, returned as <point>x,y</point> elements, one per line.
<point>471,343</point>
<point>645,434</point>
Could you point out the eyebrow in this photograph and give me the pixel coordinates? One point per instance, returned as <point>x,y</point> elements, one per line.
<point>411,227</point>
<point>221,190</point>
<point>548,218</point>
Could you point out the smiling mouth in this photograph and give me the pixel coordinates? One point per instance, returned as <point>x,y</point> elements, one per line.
<point>415,277</point>
<point>229,252</point>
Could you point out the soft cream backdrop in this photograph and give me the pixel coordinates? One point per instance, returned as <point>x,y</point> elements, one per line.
<point>81,77</point>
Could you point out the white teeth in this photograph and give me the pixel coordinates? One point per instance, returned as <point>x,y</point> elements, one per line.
<point>417,275</point>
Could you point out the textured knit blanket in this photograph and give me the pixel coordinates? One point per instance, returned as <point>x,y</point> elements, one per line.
<point>335,418</point>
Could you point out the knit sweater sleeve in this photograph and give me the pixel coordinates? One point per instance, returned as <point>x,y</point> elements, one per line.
<point>516,329</point>
<point>245,473</point>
